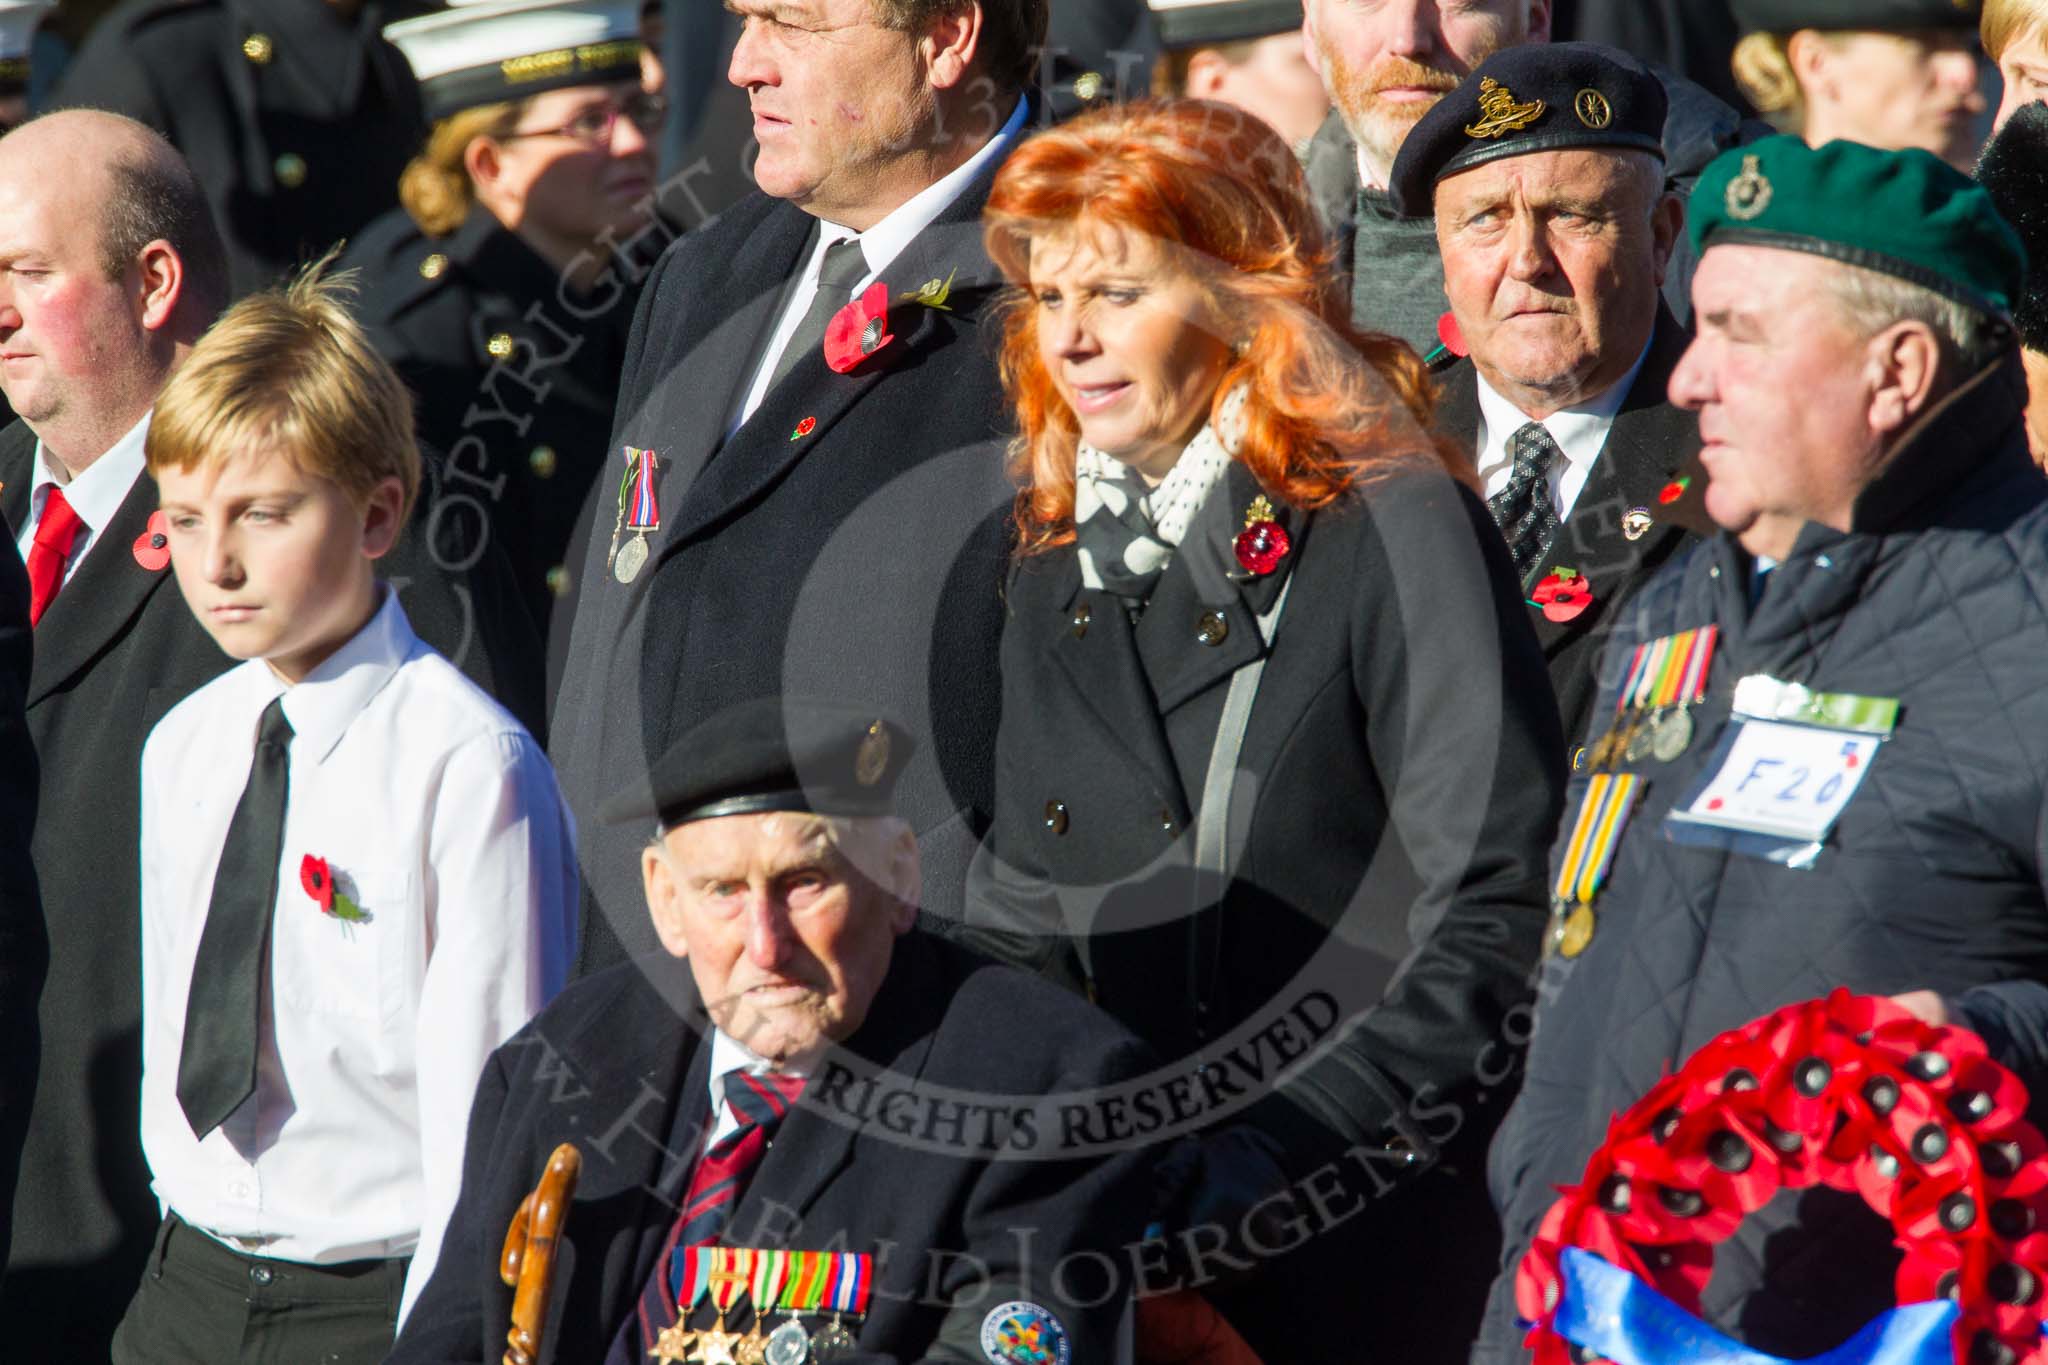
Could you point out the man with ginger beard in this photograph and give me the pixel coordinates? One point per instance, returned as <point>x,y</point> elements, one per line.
<point>1387,65</point>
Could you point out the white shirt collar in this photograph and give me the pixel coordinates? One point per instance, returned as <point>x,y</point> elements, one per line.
<point>881,244</point>
<point>326,700</point>
<point>99,492</point>
<point>1580,430</point>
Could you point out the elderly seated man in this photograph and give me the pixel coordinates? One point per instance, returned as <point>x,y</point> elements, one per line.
<point>809,1131</point>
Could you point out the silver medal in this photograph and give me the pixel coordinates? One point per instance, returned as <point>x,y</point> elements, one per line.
<point>788,1344</point>
<point>632,558</point>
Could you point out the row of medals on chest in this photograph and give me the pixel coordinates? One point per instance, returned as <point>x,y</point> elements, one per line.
<point>788,1343</point>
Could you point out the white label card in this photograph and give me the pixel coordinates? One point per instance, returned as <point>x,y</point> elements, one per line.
<point>1789,781</point>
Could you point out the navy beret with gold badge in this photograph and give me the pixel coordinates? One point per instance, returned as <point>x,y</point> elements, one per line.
<point>1538,97</point>
<point>1787,16</point>
<point>772,754</point>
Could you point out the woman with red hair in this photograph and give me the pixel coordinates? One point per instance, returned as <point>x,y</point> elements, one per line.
<point>1276,772</point>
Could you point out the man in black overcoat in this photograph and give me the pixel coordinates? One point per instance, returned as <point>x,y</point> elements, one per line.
<point>1556,235</point>
<point>297,115</point>
<point>82,357</point>
<point>822,517</point>
<point>926,1131</point>
<point>24,943</point>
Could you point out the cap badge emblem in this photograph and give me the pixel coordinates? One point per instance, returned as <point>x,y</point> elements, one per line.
<point>871,760</point>
<point>1749,194</point>
<point>1500,113</point>
<point>1593,109</point>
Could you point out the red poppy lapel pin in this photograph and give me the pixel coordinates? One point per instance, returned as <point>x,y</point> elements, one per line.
<point>1673,491</point>
<point>1563,596</point>
<point>859,330</point>
<point>318,882</point>
<point>1452,336</point>
<point>1264,542</point>
<point>153,547</point>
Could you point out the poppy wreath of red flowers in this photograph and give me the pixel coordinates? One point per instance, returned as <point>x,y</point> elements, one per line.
<point>1564,595</point>
<point>858,330</point>
<point>1851,1092</point>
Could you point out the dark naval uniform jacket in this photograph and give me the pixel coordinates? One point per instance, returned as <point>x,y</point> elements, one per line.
<point>847,542</point>
<point>116,649</point>
<point>513,374</point>
<point>1935,876</point>
<point>619,1064</point>
<point>1388,820</point>
<point>24,944</point>
<point>1620,531</point>
<point>297,117</point>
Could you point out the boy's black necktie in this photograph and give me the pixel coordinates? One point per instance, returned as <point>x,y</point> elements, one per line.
<point>217,1064</point>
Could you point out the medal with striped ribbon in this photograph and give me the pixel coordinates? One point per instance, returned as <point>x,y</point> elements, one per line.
<point>1588,857</point>
<point>852,1277</point>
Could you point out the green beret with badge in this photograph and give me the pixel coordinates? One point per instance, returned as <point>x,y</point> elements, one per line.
<point>1789,16</point>
<point>772,754</point>
<point>1536,97</point>
<point>1907,214</point>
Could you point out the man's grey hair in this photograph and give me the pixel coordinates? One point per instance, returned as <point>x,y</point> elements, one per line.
<point>1869,301</point>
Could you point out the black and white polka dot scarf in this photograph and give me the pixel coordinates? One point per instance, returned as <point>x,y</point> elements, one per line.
<point>1127,532</point>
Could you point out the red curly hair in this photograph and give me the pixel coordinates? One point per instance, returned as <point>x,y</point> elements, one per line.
<point>1328,406</point>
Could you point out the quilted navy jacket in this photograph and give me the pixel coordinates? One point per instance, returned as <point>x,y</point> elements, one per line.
<point>1933,878</point>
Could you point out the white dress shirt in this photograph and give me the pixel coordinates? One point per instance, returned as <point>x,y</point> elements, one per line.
<point>95,495</point>
<point>880,245</point>
<point>729,1054</point>
<point>438,815</point>
<point>1580,432</point>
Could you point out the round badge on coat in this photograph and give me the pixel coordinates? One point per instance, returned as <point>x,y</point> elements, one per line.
<point>1022,1333</point>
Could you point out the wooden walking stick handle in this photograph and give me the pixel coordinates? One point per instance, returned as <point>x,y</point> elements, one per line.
<point>527,1264</point>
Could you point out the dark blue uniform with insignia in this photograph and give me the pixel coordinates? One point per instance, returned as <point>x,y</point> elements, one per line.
<point>514,373</point>
<point>296,115</point>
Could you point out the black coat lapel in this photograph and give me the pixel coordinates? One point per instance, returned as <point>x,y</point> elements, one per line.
<point>17,473</point>
<point>1088,634</point>
<point>812,398</point>
<point>106,594</point>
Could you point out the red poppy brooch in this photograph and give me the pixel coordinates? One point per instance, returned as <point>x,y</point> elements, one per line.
<point>858,330</point>
<point>152,548</point>
<point>1564,595</point>
<point>1264,542</point>
<point>318,882</point>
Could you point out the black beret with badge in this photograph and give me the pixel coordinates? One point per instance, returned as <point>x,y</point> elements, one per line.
<point>1537,97</point>
<point>1788,16</point>
<point>772,754</point>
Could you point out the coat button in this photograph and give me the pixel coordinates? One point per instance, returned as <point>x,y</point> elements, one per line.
<point>1083,614</point>
<point>1213,628</point>
<point>433,267</point>
<point>1056,816</point>
<point>261,1274</point>
<point>257,48</point>
<point>500,344</point>
<point>290,170</point>
<point>542,461</point>
<point>558,580</point>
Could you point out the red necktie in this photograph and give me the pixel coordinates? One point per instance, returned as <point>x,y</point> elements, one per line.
<point>55,534</point>
<point>759,1103</point>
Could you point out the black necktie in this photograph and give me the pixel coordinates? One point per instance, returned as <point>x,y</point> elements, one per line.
<point>217,1064</point>
<point>844,268</point>
<point>1523,509</point>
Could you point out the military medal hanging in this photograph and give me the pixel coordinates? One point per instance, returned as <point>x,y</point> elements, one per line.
<point>852,1279</point>
<point>803,1292</point>
<point>732,1269</point>
<point>1653,718</point>
<point>639,512</point>
<point>764,1290</point>
<point>677,1340</point>
<point>1588,858</point>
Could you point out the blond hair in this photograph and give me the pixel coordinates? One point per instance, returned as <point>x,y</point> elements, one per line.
<point>2006,21</point>
<point>435,187</point>
<point>290,368</point>
<point>1763,72</point>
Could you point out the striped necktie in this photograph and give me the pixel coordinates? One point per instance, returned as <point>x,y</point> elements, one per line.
<point>759,1102</point>
<point>1523,509</point>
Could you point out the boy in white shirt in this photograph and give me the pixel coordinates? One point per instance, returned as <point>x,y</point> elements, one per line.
<point>358,877</point>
